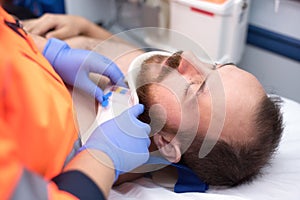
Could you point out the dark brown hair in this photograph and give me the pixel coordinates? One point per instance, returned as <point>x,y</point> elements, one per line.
<point>236,163</point>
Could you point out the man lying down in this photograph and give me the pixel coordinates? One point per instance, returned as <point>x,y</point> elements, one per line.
<point>193,106</point>
<point>215,119</point>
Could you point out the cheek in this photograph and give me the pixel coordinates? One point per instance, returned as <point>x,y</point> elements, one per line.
<point>171,104</point>
<point>205,108</point>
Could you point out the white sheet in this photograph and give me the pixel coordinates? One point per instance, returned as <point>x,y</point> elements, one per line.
<point>281,180</point>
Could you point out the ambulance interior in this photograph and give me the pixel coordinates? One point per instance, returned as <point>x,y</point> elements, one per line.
<point>260,36</point>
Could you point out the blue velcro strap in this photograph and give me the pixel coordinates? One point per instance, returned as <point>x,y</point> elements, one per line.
<point>187,181</point>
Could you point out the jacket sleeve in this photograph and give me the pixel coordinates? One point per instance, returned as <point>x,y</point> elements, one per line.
<point>17,182</point>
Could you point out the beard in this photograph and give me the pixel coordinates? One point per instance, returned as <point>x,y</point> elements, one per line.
<point>154,70</point>
<point>164,63</point>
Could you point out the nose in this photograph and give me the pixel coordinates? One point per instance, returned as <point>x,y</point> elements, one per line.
<point>190,65</point>
<point>186,68</point>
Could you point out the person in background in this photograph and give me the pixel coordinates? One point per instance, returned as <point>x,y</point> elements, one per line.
<point>38,125</point>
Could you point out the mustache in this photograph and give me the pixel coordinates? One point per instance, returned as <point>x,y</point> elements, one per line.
<point>174,60</point>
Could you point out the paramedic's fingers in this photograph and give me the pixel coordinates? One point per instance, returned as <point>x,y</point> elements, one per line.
<point>55,25</point>
<point>87,85</point>
<point>41,25</point>
<point>61,33</point>
<point>111,70</point>
<point>124,139</point>
<point>39,41</point>
<point>28,24</point>
<point>74,66</point>
<point>65,28</point>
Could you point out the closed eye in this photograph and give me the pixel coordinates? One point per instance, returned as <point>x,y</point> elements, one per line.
<point>186,89</point>
<point>201,88</point>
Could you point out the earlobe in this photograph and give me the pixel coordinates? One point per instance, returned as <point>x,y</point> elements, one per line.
<point>170,149</point>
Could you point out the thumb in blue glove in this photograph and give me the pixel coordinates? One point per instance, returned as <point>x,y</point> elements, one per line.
<point>74,66</point>
<point>124,139</point>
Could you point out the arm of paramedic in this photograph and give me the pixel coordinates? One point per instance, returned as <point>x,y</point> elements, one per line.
<point>75,65</point>
<point>18,182</point>
<point>122,54</point>
<point>93,170</point>
<point>62,27</point>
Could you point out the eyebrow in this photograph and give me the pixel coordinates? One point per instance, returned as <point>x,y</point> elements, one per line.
<point>202,86</point>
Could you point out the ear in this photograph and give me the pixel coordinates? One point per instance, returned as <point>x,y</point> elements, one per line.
<point>169,147</point>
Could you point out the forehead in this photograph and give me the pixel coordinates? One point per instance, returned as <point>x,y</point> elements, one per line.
<point>238,80</point>
<point>243,93</point>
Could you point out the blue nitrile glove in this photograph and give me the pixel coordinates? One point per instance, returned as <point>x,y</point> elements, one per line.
<point>74,66</point>
<point>124,139</point>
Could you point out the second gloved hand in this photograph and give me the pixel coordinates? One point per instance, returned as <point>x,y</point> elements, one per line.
<point>74,66</point>
<point>124,139</point>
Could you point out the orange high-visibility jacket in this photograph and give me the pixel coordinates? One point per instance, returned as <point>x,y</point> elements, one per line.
<point>37,122</point>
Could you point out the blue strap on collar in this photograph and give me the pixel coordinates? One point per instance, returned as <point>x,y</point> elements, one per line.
<point>187,181</point>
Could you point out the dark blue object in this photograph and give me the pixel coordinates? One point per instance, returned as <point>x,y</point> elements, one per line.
<point>274,42</point>
<point>106,99</point>
<point>39,7</point>
<point>187,181</point>
<point>78,184</point>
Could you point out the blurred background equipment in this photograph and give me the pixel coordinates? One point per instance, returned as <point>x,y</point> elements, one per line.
<point>219,26</point>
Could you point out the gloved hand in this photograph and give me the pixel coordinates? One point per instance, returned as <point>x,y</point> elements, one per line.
<point>74,66</point>
<point>124,139</point>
